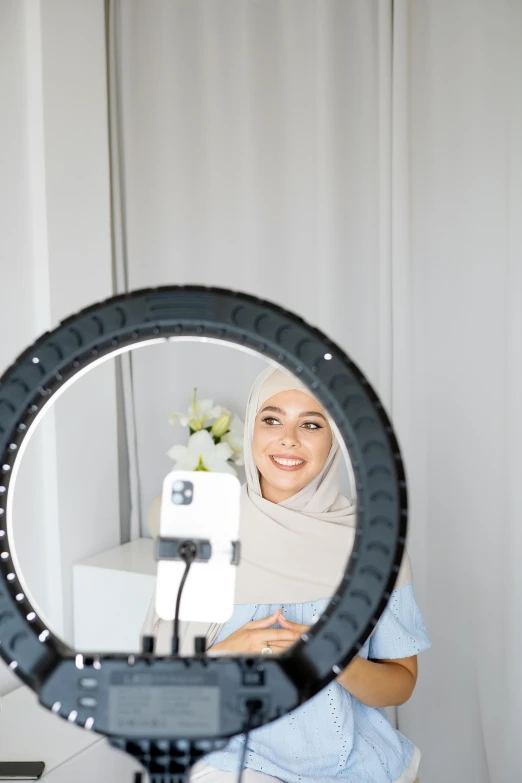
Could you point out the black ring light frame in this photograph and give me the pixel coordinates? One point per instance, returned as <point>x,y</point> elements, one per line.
<point>62,677</point>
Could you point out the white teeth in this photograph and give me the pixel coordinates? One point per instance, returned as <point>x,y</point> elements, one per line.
<point>288,462</point>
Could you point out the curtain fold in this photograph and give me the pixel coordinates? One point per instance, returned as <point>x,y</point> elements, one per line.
<point>129,476</point>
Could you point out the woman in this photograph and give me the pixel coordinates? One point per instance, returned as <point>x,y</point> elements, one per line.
<point>297,531</point>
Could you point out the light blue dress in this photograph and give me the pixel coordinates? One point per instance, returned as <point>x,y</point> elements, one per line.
<point>333,736</point>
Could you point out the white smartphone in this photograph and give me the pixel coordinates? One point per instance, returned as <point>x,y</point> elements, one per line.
<point>201,505</point>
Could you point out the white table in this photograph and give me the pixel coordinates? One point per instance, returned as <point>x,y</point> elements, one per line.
<point>29,732</point>
<point>112,592</point>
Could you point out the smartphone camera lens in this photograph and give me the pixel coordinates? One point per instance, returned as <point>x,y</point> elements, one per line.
<point>188,492</point>
<point>182,492</point>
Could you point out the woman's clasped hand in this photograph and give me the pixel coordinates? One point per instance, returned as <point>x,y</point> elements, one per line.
<point>258,635</point>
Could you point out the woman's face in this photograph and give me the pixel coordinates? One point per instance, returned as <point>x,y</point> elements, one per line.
<point>292,439</point>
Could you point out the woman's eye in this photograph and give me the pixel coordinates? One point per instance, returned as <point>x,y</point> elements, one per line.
<point>270,419</point>
<point>311,425</point>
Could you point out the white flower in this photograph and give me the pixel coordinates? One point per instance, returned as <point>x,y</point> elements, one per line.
<point>221,425</point>
<point>199,413</point>
<point>203,454</point>
<point>234,438</point>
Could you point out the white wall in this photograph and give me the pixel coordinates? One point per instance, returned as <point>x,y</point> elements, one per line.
<point>55,259</point>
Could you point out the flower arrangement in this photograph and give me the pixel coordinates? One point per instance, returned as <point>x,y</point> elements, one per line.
<point>216,438</point>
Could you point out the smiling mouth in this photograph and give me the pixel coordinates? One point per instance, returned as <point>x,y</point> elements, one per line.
<point>288,464</point>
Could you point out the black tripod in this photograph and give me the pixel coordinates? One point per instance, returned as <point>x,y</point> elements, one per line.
<point>170,761</point>
<point>166,761</point>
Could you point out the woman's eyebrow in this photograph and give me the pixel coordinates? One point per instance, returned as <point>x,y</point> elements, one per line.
<point>312,413</point>
<point>303,413</point>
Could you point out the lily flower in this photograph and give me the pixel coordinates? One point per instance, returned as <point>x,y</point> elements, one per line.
<point>234,438</point>
<point>221,426</point>
<point>199,413</point>
<point>203,454</point>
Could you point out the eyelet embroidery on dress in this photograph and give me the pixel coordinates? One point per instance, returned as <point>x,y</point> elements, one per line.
<point>395,632</point>
<point>294,754</point>
<point>392,615</point>
<point>376,750</point>
<point>337,726</point>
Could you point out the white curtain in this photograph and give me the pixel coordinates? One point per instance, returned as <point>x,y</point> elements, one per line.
<point>255,142</point>
<point>360,164</point>
<point>458,378</point>
<point>55,258</point>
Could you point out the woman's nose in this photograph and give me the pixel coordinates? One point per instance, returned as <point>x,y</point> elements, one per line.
<point>289,438</point>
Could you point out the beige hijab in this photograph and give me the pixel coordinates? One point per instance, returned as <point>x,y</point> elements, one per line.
<point>291,552</point>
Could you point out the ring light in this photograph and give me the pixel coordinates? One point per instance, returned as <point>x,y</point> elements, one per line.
<point>104,693</point>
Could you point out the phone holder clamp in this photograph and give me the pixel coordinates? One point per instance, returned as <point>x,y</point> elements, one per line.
<point>196,549</point>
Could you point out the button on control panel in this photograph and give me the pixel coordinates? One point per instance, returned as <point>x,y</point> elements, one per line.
<point>88,701</point>
<point>88,683</point>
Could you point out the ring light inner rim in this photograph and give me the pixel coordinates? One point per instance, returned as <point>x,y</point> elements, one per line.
<point>31,429</point>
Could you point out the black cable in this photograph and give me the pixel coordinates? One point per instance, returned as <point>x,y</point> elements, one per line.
<point>253,706</point>
<point>187,552</point>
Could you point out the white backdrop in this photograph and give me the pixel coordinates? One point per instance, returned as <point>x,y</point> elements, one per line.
<point>367,175</point>
<point>362,170</point>
<point>244,169</point>
<point>465,348</point>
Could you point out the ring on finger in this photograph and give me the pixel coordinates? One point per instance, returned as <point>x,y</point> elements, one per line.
<point>267,650</point>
